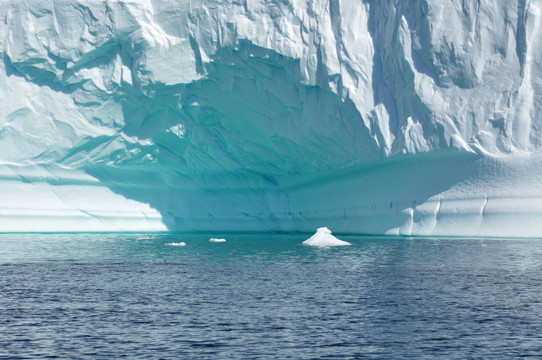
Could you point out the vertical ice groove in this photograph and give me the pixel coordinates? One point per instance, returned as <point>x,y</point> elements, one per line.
<point>483,208</point>
<point>434,218</point>
<point>482,214</point>
<point>437,210</point>
<point>521,45</point>
<point>408,224</point>
<point>521,126</point>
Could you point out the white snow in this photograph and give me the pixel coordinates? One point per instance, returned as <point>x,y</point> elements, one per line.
<point>323,238</point>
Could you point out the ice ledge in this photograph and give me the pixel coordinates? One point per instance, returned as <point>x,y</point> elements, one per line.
<point>440,195</point>
<point>35,199</point>
<point>485,217</point>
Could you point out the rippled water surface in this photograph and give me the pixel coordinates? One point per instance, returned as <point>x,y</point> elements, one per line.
<point>267,297</point>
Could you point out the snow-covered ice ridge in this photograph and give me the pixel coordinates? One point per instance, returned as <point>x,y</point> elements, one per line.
<point>402,117</point>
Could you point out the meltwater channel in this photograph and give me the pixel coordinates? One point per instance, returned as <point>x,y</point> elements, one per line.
<point>260,296</point>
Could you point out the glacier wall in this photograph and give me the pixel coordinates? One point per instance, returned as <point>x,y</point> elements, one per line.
<point>418,117</point>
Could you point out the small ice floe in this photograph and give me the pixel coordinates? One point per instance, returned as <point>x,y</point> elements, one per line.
<point>323,238</point>
<point>182,243</point>
<point>217,240</point>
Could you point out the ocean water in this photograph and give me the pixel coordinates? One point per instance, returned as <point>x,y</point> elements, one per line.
<point>260,296</point>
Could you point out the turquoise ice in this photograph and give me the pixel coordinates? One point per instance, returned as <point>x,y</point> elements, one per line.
<point>406,118</point>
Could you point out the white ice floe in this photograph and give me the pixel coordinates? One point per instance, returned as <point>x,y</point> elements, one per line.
<point>217,240</point>
<point>182,243</point>
<point>323,238</point>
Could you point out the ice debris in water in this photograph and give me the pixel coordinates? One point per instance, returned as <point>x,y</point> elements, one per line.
<point>217,240</point>
<point>182,243</point>
<point>323,237</point>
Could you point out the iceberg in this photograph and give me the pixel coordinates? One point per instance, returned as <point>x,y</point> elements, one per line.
<point>378,117</point>
<point>323,238</point>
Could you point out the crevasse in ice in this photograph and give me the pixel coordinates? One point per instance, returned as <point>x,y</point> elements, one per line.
<point>398,117</point>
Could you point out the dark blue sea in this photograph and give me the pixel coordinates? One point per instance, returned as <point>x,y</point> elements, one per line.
<point>110,296</point>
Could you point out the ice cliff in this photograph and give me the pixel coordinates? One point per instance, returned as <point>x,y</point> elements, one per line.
<point>414,117</point>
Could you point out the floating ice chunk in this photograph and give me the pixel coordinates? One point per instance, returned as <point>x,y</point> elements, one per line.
<point>323,237</point>
<point>217,240</point>
<point>182,243</point>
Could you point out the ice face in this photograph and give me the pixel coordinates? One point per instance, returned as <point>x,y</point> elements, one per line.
<point>405,117</point>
